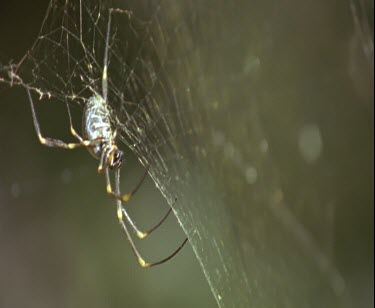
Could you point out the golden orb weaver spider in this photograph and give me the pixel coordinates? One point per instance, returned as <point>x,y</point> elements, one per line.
<point>100,140</point>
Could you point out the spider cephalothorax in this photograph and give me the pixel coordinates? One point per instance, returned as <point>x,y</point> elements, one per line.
<point>111,157</point>
<point>117,158</point>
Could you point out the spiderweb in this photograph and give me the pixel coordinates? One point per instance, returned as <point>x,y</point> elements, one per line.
<point>188,94</point>
<point>143,55</point>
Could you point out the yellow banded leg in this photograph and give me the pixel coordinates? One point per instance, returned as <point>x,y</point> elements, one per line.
<point>51,142</point>
<point>127,197</point>
<point>139,233</point>
<point>141,261</point>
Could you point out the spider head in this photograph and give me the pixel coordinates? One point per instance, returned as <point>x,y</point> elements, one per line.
<point>116,158</point>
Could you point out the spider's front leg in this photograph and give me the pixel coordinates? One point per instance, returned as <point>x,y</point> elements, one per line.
<point>57,143</point>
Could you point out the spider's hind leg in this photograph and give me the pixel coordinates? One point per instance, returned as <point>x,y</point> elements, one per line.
<point>120,211</point>
<point>123,212</point>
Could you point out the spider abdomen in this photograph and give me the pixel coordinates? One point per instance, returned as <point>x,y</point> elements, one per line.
<point>96,124</point>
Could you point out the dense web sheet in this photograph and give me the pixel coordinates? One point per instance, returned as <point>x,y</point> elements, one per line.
<point>199,94</point>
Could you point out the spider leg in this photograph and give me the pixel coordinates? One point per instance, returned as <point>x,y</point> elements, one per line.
<point>126,197</point>
<point>102,163</point>
<point>105,60</point>
<point>139,233</point>
<point>72,130</point>
<point>121,212</point>
<point>52,142</point>
<point>128,236</point>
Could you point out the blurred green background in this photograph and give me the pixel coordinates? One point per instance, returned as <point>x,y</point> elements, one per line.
<point>274,185</point>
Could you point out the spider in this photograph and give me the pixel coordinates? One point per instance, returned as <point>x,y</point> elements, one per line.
<point>100,139</point>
